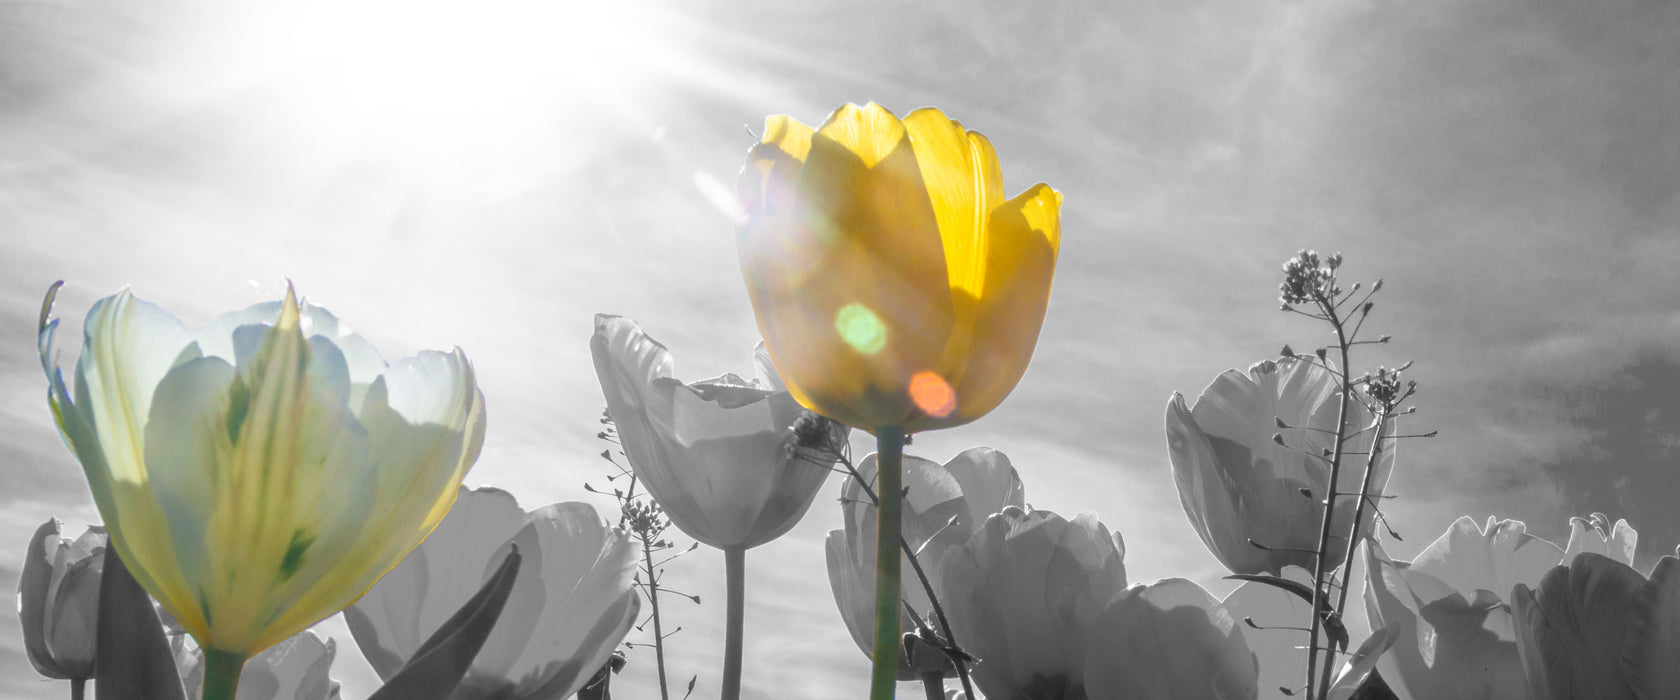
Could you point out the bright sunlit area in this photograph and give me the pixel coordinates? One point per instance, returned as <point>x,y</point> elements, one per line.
<point>585,198</point>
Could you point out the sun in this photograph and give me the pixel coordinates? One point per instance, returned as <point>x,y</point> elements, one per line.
<point>431,83</point>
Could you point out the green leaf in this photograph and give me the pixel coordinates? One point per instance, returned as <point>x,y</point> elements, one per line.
<point>1333,626</point>
<point>132,658</point>
<point>440,664</point>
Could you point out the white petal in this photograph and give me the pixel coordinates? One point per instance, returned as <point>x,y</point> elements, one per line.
<point>129,346</point>
<point>1492,558</point>
<point>1618,544</point>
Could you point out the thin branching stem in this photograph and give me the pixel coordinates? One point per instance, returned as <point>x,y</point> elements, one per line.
<point>1320,556</point>
<point>653,601</point>
<point>1365,497</point>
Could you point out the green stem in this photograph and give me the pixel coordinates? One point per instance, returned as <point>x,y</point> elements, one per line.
<point>734,576</point>
<point>221,674</point>
<point>78,688</point>
<point>934,683</point>
<point>889,461</point>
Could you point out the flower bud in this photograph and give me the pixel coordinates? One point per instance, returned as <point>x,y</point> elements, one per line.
<point>58,600</point>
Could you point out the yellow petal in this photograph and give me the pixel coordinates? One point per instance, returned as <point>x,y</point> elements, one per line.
<point>872,307</point>
<point>1020,261</point>
<point>964,183</point>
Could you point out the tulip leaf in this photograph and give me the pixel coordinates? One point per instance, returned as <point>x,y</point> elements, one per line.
<point>1332,620</point>
<point>1362,663</point>
<point>440,664</point>
<point>132,657</point>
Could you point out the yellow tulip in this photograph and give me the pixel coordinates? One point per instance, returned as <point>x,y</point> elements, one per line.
<point>893,283</point>
<point>261,474</point>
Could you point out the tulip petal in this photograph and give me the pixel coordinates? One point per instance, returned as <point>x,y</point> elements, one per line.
<point>1022,595</point>
<point>585,568</point>
<point>33,590</point>
<point>1359,665</point>
<point>1019,260</point>
<point>128,346</point>
<point>188,440</point>
<point>717,455</point>
<point>1258,490</point>
<point>440,664</point>
<point>1494,557</point>
<point>988,483</point>
<point>417,466</point>
<point>1274,638</point>
<point>1454,644</point>
<point>411,602</point>
<point>964,183</point>
<point>766,369</point>
<point>74,621</point>
<point>627,362</point>
<point>1169,640</point>
<point>1619,543</point>
<point>1204,490</point>
<point>862,216</point>
<point>854,598</point>
<point>1653,637</point>
<point>1570,631</point>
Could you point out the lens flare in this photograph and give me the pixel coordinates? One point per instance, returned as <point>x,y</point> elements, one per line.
<point>932,394</point>
<point>861,328</point>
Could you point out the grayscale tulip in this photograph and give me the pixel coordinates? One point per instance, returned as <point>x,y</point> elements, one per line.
<point>1452,608</point>
<point>943,507</point>
<point>1023,594</point>
<point>1237,483</point>
<point>571,604</point>
<point>1595,629</point>
<point>1168,641</point>
<point>58,600</point>
<point>719,455</point>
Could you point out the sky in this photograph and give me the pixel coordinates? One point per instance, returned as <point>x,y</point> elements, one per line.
<point>492,174</point>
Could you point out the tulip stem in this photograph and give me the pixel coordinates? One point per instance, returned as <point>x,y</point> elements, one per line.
<point>735,575</point>
<point>921,576</point>
<point>934,683</point>
<point>221,674</point>
<point>889,475</point>
<point>78,688</point>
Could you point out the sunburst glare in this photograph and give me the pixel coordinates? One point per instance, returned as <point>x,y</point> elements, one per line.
<point>436,85</point>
